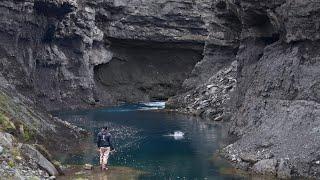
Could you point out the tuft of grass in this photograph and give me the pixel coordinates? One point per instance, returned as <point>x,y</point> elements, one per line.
<point>15,152</point>
<point>27,134</point>
<point>5,123</point>
<point>11,164</point>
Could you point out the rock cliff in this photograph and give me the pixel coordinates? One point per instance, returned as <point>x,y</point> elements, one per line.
<point>274,108</point>
<point>251,63</point>
<point>57,51</point>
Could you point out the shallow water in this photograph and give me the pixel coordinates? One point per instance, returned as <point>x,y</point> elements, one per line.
<point>161,144</point>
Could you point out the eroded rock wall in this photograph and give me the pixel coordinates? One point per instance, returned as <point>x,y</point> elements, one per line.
<point>49,48</point>
<point>144,73</point>
<point>273,105</point>
<point>276,103</point>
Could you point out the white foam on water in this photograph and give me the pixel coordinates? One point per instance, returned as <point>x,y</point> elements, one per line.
<point>153,105</point>
<point>177,135</point>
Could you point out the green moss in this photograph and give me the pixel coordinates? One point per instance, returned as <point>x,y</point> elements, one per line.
<point>11,164</point>
<point>4,101</point>
<point>56,163</point>
<point>34,178</point>
<point>28,134</point>
<point>15,152</point>
<point>5,123</point>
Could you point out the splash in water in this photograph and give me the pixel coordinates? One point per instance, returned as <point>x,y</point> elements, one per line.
<point>177,135</point>
<point>153,106</point>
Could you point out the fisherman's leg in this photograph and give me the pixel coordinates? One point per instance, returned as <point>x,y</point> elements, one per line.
<point>106,156</point>
<point>101,156</point>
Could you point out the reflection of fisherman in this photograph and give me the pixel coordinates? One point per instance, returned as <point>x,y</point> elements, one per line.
<point>104,147</point>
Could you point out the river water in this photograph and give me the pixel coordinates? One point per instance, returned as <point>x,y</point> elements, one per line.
<point>164,145</point>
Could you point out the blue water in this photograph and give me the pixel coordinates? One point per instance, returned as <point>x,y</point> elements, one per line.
<point>143,139</point>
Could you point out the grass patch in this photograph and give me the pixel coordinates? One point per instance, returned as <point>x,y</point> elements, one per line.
<point>5,123</point>
<point>15,152</point>
<point>27,133</point>
<point>11,164</point>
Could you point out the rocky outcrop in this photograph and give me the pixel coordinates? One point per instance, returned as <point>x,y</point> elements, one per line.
<point>14,165</point>
<point>56,46</point>
<point>206,92</point>
<point>210,98</point>
<point>32,154</point>
<point>274,107</point>
<point>38,40</point>
<point>21,124</point>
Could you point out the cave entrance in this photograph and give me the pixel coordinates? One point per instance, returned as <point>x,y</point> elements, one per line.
<point>145,71</point>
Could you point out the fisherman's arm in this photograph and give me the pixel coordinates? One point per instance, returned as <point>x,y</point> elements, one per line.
<point>111,144</point>
<point>98,140</point>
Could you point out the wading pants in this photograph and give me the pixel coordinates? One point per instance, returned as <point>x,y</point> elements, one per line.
<point>104,155</point>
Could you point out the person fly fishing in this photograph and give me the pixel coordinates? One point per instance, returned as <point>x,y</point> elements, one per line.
<point>104,147</point>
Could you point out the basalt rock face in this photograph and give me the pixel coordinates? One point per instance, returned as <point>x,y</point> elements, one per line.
<point>144,73</point>
<point>155,45</point>
<point>206,92</point>
<point>276,103</point>
<point>49,49</point>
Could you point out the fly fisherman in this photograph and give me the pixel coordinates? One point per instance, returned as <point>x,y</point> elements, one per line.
<point>104,147</point>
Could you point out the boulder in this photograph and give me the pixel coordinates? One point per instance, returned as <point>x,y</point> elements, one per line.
<point>31,153</point>
<point>251,158</point>
<point>6,140</point>
<point>284,170</point>
<point>265,166</point>
<point>88,167</point>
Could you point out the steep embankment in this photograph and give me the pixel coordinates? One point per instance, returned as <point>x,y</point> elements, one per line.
<point>275,105</point>
<point>25,133</point>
